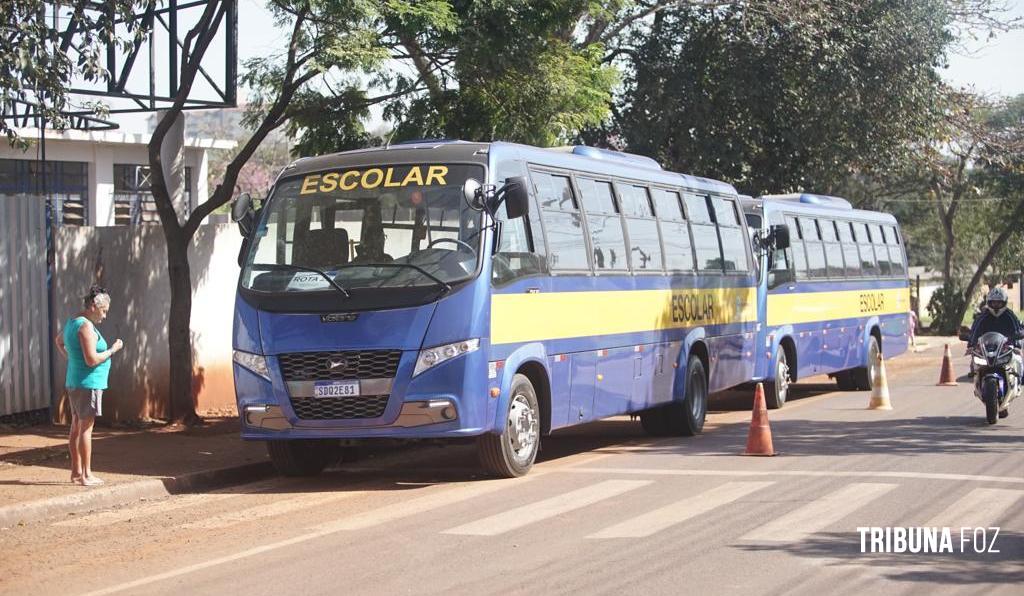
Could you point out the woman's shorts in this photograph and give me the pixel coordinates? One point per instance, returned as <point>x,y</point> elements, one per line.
<point>86,403</point>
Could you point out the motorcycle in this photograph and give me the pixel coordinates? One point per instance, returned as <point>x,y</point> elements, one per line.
<point>996,374</point>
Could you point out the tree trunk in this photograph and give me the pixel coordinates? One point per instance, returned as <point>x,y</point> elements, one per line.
<point>179,335</point>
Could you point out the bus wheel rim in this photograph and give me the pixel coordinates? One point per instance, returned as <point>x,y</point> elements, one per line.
<point>782,379</point>
<point>522,428</point>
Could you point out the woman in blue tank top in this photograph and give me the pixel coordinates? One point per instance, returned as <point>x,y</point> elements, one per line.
<point>88,356</point>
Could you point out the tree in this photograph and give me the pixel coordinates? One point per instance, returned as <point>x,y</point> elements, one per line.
<point>776,105</point>
<point>324,35</point>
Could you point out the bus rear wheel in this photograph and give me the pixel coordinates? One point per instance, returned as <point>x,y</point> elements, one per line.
<point>864,376</point>
<point>511,454</point>
<point>302,457</point>
<point>681,418</point>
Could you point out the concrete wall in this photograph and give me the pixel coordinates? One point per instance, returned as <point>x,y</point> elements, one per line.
<point>131,263</point>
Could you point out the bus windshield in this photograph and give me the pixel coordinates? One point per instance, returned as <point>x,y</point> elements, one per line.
<point>366,227</point>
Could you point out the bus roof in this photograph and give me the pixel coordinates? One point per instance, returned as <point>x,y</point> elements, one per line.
<point>812,204</point>
<point>578,158</point>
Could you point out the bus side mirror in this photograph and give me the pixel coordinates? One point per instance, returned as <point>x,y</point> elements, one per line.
<point>515,197</point>
<point>243,214</point>
<point>780,235</point>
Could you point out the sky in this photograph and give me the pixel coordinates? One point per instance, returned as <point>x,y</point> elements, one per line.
<point>989,66</point>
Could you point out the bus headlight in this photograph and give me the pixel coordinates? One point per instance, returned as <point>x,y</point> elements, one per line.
<point>431,357</point>
<point>252,362</point>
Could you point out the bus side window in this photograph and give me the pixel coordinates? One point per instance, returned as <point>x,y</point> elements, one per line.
<point>521,247</point>
<point>881,250</point>
<point>895,250</point>
<point>734,241</point>
<point>706,244</point>
<point>675,234</point>
<point>850,254</point>
<point>796,240</point>
<point>605,225</point>
<point>833,251</point>
<point>867,253</point>
<point>780,261</point>
<point>815,248</point>
<point>563,223</point>
<point>644,245</point>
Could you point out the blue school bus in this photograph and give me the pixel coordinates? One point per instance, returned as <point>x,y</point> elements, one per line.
<point>833,292</point>
<point>491,291</point>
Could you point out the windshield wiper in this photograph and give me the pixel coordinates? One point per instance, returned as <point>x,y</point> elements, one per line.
<point>445,286</point>
<point>287,267</point>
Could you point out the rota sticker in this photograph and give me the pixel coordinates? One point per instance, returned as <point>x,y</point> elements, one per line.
<point>374,178</point>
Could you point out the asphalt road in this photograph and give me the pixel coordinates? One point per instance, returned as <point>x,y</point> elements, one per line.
<point>607,511</point>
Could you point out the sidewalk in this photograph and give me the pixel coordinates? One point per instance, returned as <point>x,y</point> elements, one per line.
<point>135,464</point>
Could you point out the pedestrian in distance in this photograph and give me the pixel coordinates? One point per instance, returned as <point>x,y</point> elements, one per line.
<point>88,357</point>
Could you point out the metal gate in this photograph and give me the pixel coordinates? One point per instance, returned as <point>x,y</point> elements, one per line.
<point>24,311</point>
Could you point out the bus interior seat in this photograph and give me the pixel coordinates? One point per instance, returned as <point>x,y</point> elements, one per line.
<point>323,248</point>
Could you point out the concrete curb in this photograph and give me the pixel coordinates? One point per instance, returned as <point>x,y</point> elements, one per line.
<point>127,492</point>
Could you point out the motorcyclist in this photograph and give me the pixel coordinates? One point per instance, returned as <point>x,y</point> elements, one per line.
<point>997,317</point>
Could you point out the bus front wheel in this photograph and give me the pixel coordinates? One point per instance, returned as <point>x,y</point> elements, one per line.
<point>302,457</point>
<point>777,390</point>
<point>511,453</point>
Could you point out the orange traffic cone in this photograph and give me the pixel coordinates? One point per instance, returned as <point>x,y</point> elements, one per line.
<point>759,439</point>
<point>880,389</point>
<point>946,377</point>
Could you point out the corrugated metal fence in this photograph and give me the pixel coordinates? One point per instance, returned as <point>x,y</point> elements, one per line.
<point>24,355</point>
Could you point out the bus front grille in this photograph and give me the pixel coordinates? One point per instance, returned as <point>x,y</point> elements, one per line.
<point>340,408</point>
<point>340,366</point>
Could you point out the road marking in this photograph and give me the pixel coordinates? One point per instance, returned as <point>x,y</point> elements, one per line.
<point>819,514</point>
<point>429,502</point>
<point>812,473</point>
<point>980,508</point>
<point>448,495</point>
<point>293,502</point>
<point>541,510</point>
<point>680,511</point>
<point>165,505</point>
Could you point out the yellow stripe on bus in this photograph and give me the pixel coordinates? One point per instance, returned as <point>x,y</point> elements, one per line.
<point>519,318</point>
<point>810,307</point>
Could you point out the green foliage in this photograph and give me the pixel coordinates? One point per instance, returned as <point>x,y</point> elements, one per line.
<point>946,309</point>
<point>773,106</point>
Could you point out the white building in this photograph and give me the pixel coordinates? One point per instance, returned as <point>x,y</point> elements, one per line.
<point>101,178</point>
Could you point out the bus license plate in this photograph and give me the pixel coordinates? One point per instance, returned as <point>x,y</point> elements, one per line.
<point>336,389</point>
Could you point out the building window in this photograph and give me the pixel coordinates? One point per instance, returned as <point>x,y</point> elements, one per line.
<point>133,201</point>
<point>67,184</point>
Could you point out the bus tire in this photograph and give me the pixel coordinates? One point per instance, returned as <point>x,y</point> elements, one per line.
<point>777,390</point>
<point>302,457</point>
<point>864,376</point>
<point>686,418</point>
<point>511,454</point>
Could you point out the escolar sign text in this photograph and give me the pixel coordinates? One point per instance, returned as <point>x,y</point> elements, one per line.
<point>370,178</point>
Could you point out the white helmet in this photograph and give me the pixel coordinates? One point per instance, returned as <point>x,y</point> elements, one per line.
<point>996,301</point>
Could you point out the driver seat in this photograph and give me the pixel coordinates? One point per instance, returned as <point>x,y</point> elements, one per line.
<point>322,248</point>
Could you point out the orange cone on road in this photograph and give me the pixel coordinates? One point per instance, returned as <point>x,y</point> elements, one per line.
<point>759,439</point>
<point>947,378</point>
<point>880,389</point>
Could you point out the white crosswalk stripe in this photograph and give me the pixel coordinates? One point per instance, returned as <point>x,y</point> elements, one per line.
<point>680,511</point>
<point>541,510</point>
<point>819,514</point>
<point>980,508</point>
